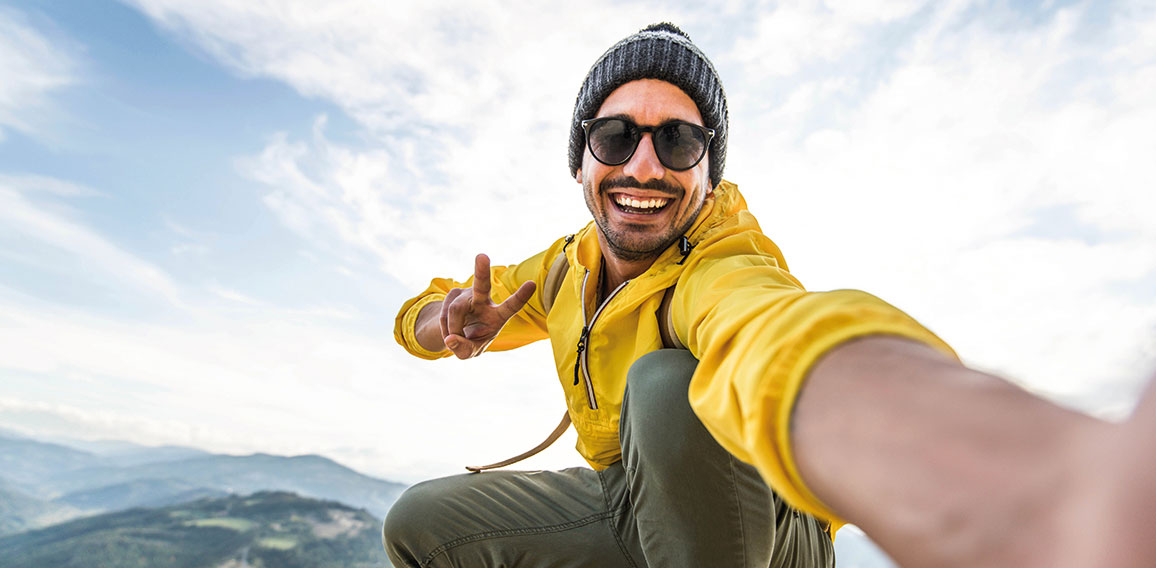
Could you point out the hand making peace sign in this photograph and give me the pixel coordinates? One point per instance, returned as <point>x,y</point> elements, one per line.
<point>470,319</point>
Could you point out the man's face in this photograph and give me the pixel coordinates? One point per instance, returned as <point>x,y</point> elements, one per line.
<point>636,233</point>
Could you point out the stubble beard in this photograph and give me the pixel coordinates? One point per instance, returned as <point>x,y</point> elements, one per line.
<point>637,245</point>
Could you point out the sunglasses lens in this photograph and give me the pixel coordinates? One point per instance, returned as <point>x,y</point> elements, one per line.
<point>679,146</point>
<point>612,141</point>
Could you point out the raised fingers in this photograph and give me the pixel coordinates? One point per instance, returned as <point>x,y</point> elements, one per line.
<point>482,279</point>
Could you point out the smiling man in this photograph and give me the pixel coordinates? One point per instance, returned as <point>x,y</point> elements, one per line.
<point>730,417</point>
<point>642,205</point>
<point>648,146</point>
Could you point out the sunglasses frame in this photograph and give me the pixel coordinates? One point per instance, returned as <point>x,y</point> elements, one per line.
<point>708,135</point>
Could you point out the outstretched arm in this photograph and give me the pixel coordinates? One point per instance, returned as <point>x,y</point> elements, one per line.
<point>946,466</point>
<point>467,320</point>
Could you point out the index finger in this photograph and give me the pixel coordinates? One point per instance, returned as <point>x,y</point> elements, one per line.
<point>482,278</point>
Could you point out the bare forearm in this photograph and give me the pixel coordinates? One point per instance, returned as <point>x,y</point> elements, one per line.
<point>937,462</point>
<point>427,328</point>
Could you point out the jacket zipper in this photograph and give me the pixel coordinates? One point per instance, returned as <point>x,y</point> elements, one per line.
<point>584,339</point>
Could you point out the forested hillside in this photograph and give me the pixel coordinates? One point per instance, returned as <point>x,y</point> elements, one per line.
<point>268,529</point>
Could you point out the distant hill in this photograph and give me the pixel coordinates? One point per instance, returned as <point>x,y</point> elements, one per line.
<point>19,511</point>
<point>312,476</point>
<point>43,483</point>
<point>263,529</point>
<point>138,493</point>
<point>114,452</point>
<point>25,463</point>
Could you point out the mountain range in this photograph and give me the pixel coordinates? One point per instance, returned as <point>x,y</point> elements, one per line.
<point>115,504</point>
<point>43,483</point>
<point>265,529</point>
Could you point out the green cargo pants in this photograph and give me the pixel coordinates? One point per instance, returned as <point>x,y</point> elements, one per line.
<point>677,498</point>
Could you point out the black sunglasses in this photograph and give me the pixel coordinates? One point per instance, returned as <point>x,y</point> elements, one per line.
<point>679,145</point>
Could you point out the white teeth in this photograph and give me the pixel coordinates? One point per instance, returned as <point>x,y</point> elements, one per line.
<point>626,201</point>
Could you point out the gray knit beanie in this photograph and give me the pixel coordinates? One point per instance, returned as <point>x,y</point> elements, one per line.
<point>659,51</point>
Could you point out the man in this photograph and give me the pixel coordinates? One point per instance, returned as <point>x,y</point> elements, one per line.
<point>845,406</point>
<point>650,162</point>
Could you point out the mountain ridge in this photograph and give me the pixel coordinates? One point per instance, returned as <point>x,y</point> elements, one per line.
<point>260,529</point>
<point>51,482</point>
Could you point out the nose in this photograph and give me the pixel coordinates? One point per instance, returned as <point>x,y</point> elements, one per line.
<point>644,164</point>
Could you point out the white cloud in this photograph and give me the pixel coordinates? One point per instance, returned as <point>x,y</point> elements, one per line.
<point>189,249</point>
<point>920,168</point>
<point>47,235</point>
<point>934,187</point>
<point>413,65</point>
<point>234,372</point>
<point>940,132</point>
<point>287,385</point>
<point>874,11</point>
<point>49,419</point>
<point>232,295</point>
<point>33,67</point>
<point>31,184</point>
<point>913,149</point>
<point>794,34</point>
<point>354,202</point>
<point>465,105</point>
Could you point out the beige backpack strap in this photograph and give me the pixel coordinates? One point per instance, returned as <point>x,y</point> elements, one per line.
<point>666,322</point>
<point>553,437</point>
<point>550,287</point>
<point>553,281</point>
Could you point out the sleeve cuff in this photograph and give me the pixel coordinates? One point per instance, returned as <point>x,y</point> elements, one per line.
<point>826,337</point>
<point>409,329</point>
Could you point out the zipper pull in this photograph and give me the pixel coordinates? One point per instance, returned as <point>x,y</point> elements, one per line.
<point>684,248</point>
<point>581,348</point>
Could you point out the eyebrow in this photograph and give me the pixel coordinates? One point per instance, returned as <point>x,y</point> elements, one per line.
<point>631,120</point>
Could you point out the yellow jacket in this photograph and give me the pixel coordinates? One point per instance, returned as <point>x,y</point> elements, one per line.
<point>754,329</point>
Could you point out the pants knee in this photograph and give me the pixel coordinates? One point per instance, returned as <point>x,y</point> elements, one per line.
<point>656,414</point>
<point>665,372</point>
<point>404,525</point>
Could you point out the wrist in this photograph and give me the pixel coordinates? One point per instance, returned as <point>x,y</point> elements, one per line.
<point>422,328</point>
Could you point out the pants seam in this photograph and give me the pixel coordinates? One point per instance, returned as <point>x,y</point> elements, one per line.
<point>514,532</point>
<point>616,513</point>
<point>739,506</point>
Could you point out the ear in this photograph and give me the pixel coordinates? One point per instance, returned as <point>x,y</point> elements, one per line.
<point>578,176</point>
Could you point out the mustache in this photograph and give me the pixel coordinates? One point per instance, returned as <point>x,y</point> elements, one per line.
<point>627,182</point>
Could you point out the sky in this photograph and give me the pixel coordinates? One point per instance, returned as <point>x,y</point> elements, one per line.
<point>211,211</point>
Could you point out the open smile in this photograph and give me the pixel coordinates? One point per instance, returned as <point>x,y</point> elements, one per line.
<point>640,205</point>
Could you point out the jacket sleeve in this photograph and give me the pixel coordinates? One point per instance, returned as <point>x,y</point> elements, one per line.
<point>756,333</point>
<point>527,326</point>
